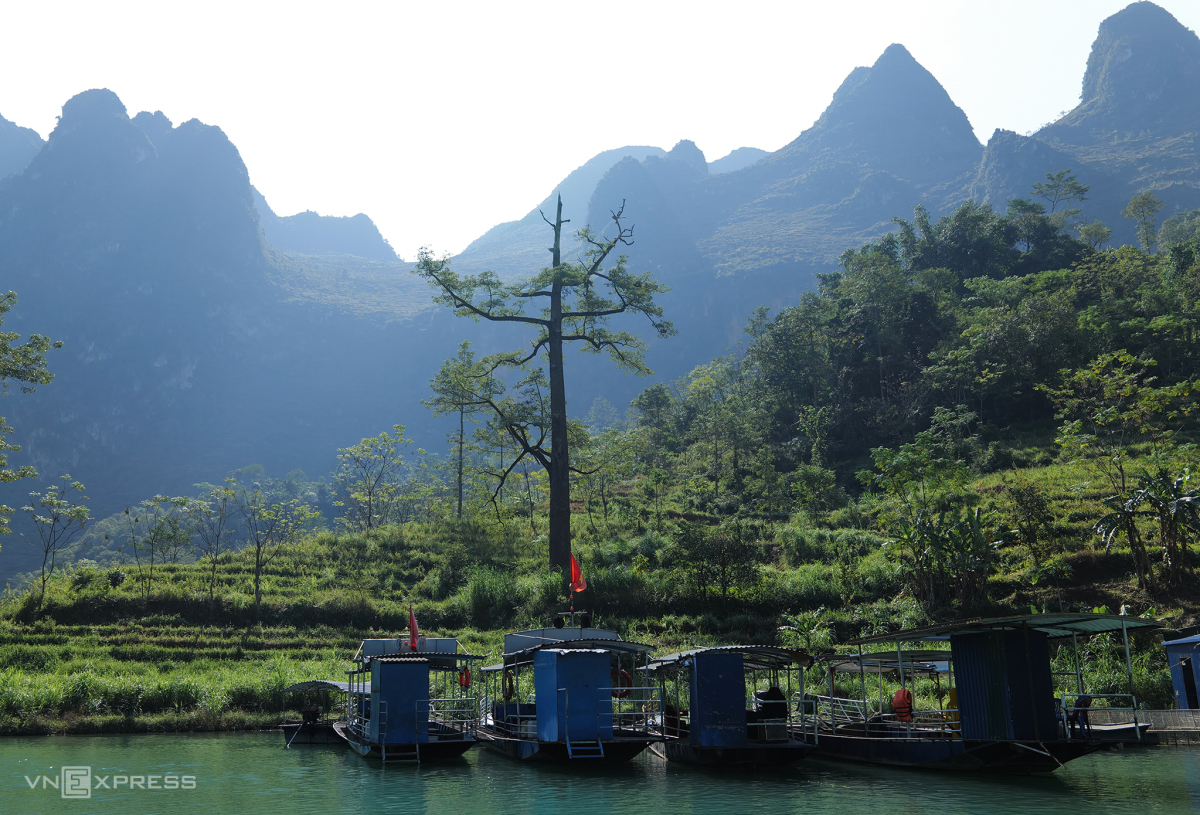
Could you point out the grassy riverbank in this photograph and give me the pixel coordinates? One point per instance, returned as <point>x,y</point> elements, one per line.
<point>106,651</point>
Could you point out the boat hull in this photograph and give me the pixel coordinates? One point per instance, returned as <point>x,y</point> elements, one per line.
<point>749,757</point>
<point>969,755</point>
<point>433,750</point>
<point>295,733</point>
<point>615,751</point>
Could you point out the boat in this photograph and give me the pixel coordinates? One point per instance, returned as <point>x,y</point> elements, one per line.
<point>410,702</point>
<point>569,693</point>
<point>996,711</point>
<point>313,728</point>
<point>730,706</point>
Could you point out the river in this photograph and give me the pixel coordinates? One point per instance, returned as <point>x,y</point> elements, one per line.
<point>252,773</point>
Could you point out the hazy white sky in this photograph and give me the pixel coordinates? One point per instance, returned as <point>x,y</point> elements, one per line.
<point>440,120</point>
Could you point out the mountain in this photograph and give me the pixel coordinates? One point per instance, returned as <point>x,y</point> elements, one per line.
<point>735,160</point>
<point>17,146</point>
<point>204,333</point>
<point>1135,126</point>
<point>517,248</point>
<point>308,233</point>
<point>192,346</point>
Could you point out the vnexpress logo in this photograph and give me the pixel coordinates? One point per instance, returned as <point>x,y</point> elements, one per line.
<point>78,782</point>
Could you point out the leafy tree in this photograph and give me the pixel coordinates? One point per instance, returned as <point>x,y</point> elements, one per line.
<point>1029,219</point>
<point>368,479</point>
<point>462,386</point>
<point>1059,188</point>
<point>24,363</point>
<point>1143,209</point>
<point>946,554</point>
<point>1122,519</point>
<point>212,518</point>
<point>1112,403</point>
<point>578,299</point>
<point>917,474</point>
<point>271,527</point>
<point>156,530</point>
<point>1181,228</point>
<point>1177,511</point>
<point>1034,517</point>
<point>58,520</point>
<point>1094,233</point>
<point>716,559</point>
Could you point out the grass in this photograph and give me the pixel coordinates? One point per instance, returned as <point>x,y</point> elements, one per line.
<point>97,655</point>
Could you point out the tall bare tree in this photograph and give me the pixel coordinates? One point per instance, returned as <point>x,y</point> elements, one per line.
<point>577,300</point>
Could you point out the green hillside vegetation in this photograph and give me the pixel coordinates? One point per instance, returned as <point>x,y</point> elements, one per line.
<point>975,415</point>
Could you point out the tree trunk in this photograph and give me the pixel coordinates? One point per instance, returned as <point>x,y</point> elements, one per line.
<point>460,460</point>
<point>257,581</point>
<point>559,471</point>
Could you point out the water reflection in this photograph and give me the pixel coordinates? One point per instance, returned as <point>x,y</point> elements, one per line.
<point>252,773</point>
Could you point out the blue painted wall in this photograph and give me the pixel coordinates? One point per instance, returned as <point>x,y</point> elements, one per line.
<point>582,710</point>
<point>1176,653</point>
<point>399,702</point>
<point>1004,685</point>
<point>718,700</point>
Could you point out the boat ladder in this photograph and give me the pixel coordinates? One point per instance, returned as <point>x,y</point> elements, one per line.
<point>585,749</point>
<point>400,753</point>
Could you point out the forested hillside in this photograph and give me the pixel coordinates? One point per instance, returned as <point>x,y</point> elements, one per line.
<point>203,333</point>
<point>977,413</point>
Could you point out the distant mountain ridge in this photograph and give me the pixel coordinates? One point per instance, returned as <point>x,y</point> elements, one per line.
<point>204,333</point>
<point>18,145</point>
<point>308,233</point>
<point>891,138</point>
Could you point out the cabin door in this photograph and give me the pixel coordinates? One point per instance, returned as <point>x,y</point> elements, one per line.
<point>1189,683</point>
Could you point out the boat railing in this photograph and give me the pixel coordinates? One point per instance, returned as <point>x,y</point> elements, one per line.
<point>854,717</point>
<point>636,711</point>
<point>803,719</point>
<point>1077,715</point>
<point>458,713</point>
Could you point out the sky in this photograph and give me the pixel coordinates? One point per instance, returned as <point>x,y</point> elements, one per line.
<point>440,120</point>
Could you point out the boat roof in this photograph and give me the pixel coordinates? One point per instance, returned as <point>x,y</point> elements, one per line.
<point>922,662</point>
<point>1062,624</point>
<point>603,644</point>
<point>1184,641</point>
<point>754,656</point>
<point>318,684</point>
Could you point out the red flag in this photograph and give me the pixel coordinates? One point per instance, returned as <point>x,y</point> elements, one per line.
<point>413,631</point>
<point>577,581</point>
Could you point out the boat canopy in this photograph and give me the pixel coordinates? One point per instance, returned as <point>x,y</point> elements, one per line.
<point>1052,624</point>
<point>318,684</point>
<point>526,655</point>
<point>916,663</point>
<point>755,657</point>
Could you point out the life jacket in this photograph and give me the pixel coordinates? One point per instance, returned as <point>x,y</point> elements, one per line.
<point>902,705</point>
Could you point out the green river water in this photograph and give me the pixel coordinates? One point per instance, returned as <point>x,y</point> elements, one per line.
<point>252,773</point>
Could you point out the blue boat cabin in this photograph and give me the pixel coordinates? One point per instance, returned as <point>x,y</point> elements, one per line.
<point>718,691</point>
<point>1005,688</point>
<point>1183,657</point>
<point>574,701</point>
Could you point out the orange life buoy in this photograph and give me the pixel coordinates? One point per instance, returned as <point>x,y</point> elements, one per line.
<point>622,682</point>
<point>464,678</point>
<point>902,704</point>
<point>509,689</point>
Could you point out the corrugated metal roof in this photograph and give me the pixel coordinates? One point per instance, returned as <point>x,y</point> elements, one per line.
<point>1184,641</point>
<point>926,663</point>
<point>321,684</point>
<point>1053,625</point>
<point>755,656</point>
